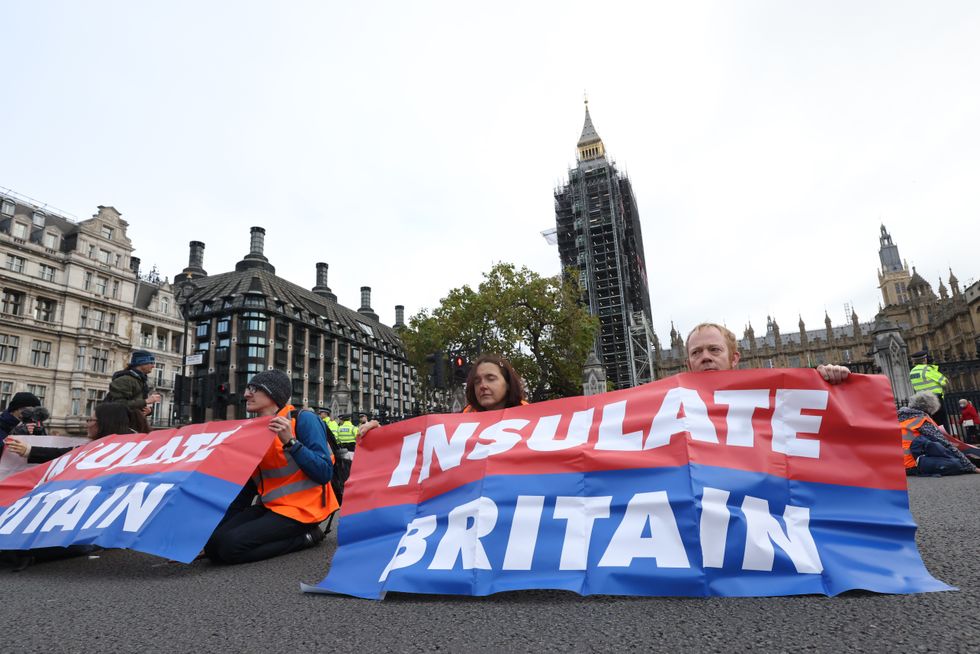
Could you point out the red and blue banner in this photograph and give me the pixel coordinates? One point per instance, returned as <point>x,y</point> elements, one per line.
<point>741,483</point>
<point>161,493</point>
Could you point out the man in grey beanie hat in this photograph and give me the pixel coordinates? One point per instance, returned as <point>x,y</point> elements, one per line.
<point>275,384</point>
<point>291,480</point>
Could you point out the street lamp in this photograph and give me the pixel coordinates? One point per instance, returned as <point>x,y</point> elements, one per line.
<point>185,292</point>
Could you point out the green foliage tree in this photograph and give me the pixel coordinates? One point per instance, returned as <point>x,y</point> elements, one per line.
<point>536,322</point>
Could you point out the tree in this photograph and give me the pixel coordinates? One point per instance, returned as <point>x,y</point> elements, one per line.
<point>536,322</point>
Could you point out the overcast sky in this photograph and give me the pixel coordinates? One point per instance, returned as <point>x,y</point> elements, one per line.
<point>411,145</point>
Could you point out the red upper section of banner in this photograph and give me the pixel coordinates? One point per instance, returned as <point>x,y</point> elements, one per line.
<point>190,448</point>
<point>857,432</point>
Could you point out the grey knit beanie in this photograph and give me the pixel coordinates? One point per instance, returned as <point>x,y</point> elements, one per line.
<point>275,384</point>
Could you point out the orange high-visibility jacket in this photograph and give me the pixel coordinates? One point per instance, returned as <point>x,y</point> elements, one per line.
<point>910,429</point>
<point>285,488</point>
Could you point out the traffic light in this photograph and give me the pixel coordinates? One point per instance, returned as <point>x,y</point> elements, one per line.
<point>461,368</point>
<point>437,369</point>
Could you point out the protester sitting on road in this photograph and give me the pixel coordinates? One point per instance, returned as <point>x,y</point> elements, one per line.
<point>711,346</point>
<point>493,384</point>
<point>292,482</point>
<point>969,420</point>
<point>927,452</point>
<point>108,419</point>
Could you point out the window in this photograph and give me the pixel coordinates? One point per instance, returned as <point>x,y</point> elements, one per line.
<point>38,390</point>
<point>7,207</point>
<point>91,251</point>
<point>76,402</point>
<point>105,256</point>
<point>107,232</point>
<point>100,360</point>
<point>111,327</point>
<point>88,281</point>
<point>80,358</point>
<point>46,273</point>
<point>15,264</point>
<point>8,348</point>
<point>93,398</point>
<point>40,353</point>
<point>45,309</point>
<point>203,329</point>
<point>101,285</point>
<point>6,391</point>
<point>83,319</point>
<point>11,303</point>
<point>19,230</point>
<point>51,240</point>
<point>165,305</point>
<point>115,289</point>
<point>97,319</point>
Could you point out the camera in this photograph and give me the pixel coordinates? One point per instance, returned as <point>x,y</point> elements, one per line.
<point>34,414</point>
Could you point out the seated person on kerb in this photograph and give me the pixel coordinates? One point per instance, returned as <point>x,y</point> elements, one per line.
<point>711,346</point>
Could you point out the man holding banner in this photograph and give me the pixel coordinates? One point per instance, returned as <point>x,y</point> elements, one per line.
<point>739,483</point>
<point>292,482</point>
<point>711,346</point>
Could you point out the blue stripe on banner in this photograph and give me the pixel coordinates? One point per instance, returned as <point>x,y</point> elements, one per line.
<point>636,532</point>
<point>169,514</point>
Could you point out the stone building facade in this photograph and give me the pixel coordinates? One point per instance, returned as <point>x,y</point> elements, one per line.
<point>248,320</point>
<point>946,323</point>
<point>72,310</point>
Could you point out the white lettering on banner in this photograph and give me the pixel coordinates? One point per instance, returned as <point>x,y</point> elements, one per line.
<point>669,420</point>
<point>502,436</point>
<point>715,517</point>
<point>788,421</point>
<point>64,508</point>
<point>664,543</point>
<point>741,408</point>
<point>579,514</point>
<point>763,530</point>
<point>411,547</point>
<point>71,511</point>
<point>611,436</point>
<point>468,523</point>
<point>402,474</point>
<point>682,411</point>
<point>523,532</point>
<point>449,451</point>
<point>50,500</point>
<point>196,447</point>
<point>543,437</point>
<point>647,530</point>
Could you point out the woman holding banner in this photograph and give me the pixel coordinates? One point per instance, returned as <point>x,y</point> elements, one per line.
<point>292,482</point>
<point>493,384</point>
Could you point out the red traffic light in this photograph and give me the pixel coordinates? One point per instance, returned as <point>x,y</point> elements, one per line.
<point>459,361</point>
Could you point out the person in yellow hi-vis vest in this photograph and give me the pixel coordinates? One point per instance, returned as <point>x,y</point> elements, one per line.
<point>925,376</point>
<point>347,434</point>
<point>292,481</point>
<point>329,421</point>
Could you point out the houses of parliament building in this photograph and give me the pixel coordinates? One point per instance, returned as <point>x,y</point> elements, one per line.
<point>947,324</point>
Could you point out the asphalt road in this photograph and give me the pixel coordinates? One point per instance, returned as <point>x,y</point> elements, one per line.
<point>124,601</point>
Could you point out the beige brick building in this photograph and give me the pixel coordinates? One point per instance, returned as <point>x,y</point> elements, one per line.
<point>73,306</point>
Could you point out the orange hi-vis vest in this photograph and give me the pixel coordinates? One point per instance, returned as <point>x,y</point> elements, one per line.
<point>910,429</point>
<point>469,407</point>
<point>285,489</point>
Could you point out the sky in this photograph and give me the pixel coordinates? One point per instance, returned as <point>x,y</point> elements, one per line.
<point>413,145</point>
